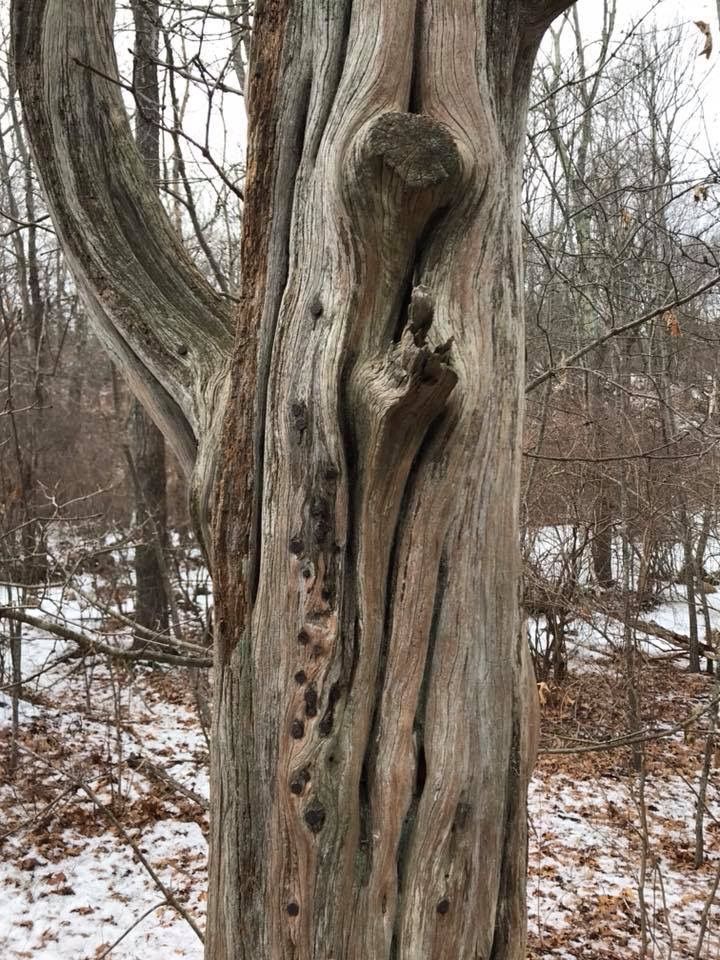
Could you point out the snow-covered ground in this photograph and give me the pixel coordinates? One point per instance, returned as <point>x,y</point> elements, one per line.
<point>611,856</point>
<point>71,884</point>
<point>587,856</point>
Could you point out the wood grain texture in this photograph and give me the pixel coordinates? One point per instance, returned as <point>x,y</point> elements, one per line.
<point>373,698</point>
<point>373,735</point>
<point>166,328</point>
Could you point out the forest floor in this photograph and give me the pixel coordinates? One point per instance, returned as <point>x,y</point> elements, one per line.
<point>611,853</point>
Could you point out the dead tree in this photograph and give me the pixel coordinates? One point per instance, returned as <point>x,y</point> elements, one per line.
<point>357,452</point>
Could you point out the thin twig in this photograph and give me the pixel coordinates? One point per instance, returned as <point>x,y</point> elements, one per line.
<point>618,331</point>
<point>109,950</point>
<point>635,738</point>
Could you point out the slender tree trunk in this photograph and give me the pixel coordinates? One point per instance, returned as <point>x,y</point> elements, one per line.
<point>601,544</point>
<point>16,661</point>
<point>371,743</point>
<point>147,448</point>
<point>690,584</point>
<point>146,442</point>
<point>699,568</point>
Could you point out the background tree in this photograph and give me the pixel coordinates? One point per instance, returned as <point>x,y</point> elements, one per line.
<point>146,442</point>
<point>649,251</point>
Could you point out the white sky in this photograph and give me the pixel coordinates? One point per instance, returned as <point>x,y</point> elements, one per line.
<point>666,11</point>
<point>700,77</point>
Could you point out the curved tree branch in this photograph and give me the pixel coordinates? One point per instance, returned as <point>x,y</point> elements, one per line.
<point>539,14</point>
<point>164,325</point>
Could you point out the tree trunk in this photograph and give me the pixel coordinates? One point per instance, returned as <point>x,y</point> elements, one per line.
<point>690,585</point>
<point>371,742</point>
<point>373,732</point>
<point>146,442</point>
<point>602,542</point>
<point>147,449</point>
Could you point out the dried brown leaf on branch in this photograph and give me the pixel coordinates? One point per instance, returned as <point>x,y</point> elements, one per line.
<point>705,30</point>
<point>672,324</point>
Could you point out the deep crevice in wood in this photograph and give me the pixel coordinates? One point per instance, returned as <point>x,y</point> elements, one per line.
<point>348,626</point>
<point>370,757</point>
<point>419,736</point>
<point>414,100</point>
<point>343,8</point>
<point>506,920</point>
<point>420,770</point>
<point>364,857</point>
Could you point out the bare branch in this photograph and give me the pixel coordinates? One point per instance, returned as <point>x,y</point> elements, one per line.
<point>641,736</point>
<point>89,645</point>
<point>154,771</point>
<point>619,331</point>
<point>169,896</point>
<point>165,326</point>
<point>540,14</point>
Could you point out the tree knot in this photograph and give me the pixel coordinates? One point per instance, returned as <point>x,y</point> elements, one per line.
<point>421,151</point>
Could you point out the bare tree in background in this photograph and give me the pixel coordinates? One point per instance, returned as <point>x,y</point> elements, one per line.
<point>147,444</point>
<point>648,250</point>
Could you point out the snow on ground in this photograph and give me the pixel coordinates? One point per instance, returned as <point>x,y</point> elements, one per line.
<point>585,862</point>
<point>71,884</point>
<point>79,905</point>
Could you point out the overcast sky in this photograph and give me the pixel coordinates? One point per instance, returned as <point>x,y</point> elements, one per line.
<point>702,126</point>
<point>667,11</point>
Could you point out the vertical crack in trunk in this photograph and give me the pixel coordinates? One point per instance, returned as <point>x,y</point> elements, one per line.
<point>342,11</point>
<point>367,814</point>
<point>288,169</point>
<point>371,662</point>
<point>415,98</point>
<point>510,898</point>
<point>421,772</point>
<point>308,98</point>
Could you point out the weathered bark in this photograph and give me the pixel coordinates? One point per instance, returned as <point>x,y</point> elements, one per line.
<point>146,442</point>
<point>372,741</point>
<point>162,323</point>
<point>372,697</point>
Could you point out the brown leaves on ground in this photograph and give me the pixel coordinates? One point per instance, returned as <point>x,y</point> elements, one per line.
<point>586,836</point>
